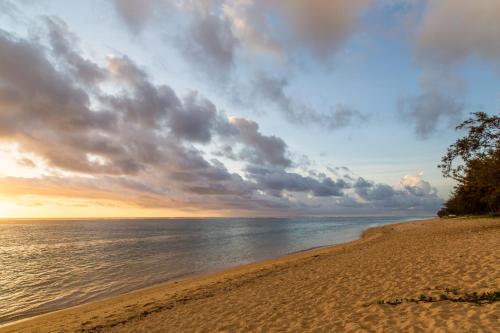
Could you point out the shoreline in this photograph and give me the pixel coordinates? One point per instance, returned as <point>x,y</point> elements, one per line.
<point>137,306</point>
<point>202,273</point>
<point>180,279</point>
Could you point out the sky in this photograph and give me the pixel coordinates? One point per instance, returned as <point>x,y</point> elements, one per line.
<point>170,108</point>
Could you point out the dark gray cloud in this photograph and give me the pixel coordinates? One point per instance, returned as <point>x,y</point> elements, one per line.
<point>430,111</point>
<point>274,181</point>
<point>196,121</point>
<point>261,148</point>
<point>226,151</point>
<point>362,185</point>
<point>376,192</point>
<point>192,118</point>
<point>250,145</point>
<point>37,99</point>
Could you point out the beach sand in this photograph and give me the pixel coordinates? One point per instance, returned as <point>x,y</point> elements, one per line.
<point>334,289</point>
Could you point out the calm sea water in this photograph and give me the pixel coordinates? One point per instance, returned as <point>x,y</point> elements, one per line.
<point>48,265</point>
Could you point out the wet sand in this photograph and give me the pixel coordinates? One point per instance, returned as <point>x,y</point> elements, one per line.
<point>411,277</point>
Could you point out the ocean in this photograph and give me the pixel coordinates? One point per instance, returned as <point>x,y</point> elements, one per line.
<point>47,265</point>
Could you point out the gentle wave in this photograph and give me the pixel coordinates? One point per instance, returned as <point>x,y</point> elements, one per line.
<point>57,264</point>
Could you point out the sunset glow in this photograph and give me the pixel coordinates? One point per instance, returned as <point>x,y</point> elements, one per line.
<point>231,108</point>
<point>249,165</point>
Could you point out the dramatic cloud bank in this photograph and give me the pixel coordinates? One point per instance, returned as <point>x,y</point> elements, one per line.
<point>220,35</point>
<point>106,131</point>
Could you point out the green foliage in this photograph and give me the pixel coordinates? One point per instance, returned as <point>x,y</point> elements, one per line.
<point>449,295</point>
<point>474,162</point>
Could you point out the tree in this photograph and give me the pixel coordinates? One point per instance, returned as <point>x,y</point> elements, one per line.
<point>481,142</point>
<point>474,162</point>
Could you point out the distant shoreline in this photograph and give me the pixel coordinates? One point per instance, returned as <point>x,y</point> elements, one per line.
<point>145,309</point>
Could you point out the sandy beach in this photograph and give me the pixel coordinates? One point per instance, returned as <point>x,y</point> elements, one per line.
<point>412,277</point>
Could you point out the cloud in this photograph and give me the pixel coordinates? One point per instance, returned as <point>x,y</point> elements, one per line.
<point>205,38</point>
<point>135,14</point>
<point>217,26</point>
<point>210,44</point>
<point>250,25</point>
<point>141,143</point>
<point>144,133</point>
<point>430,111</point>
<point>36,99</point>
<point>124,69</point>
<point>275,181</point>
<point>195,122</point>
<point>343,116</point>
<point>64,46</point>
<point>261,149</point>
<point>413,193</point>
<point>322,25</point>
<point>417,186</point>
<point>273,90</point>
<point>50,112</point>
<point>454,30</point>
<point>191,118</point>
<point>217,36</point>
<point>449,33</point>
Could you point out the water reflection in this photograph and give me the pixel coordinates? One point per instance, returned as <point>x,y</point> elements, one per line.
<point>55,264</point>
